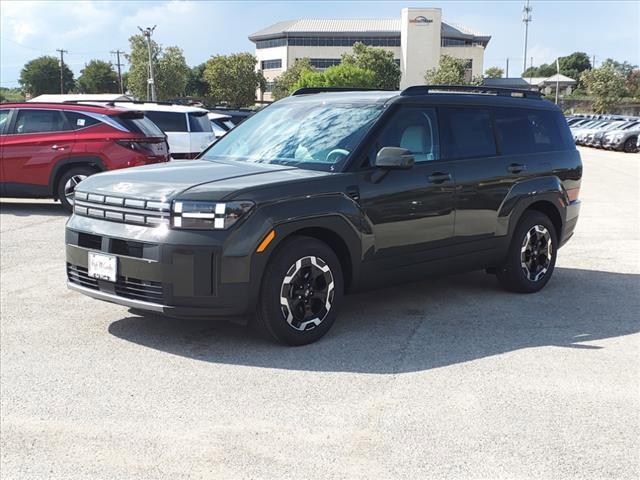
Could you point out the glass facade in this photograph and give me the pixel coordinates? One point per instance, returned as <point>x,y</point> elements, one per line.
<point>324,62</point>
<point>329,41</point>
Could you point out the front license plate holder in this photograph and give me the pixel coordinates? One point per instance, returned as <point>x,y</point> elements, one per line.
<point>102,267</point>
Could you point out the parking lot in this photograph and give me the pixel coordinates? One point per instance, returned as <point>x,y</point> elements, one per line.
<point>447,378</point>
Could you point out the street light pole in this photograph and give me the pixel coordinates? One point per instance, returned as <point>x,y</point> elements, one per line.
<point>526,18</point>
<point>151,88</point>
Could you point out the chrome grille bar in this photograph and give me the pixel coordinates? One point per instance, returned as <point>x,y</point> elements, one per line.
<point>121,209</point>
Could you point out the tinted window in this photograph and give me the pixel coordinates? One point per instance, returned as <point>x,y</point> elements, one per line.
<point>415,129</point>
<point>78,120</point>
<point>39,121</point>
<point>138,124</point>
<point>169,121</point>
<point>530,131</point>
<point>4,119</point>
<point>199,122</point>
<point>469,133</point>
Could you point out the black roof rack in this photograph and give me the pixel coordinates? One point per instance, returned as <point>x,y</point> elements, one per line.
<point>52,103</point>
<point>502,92</point>
<point>307,90</point>
<point>113,102</point>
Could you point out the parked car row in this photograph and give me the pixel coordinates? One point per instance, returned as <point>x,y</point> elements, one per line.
<point>612,132</point>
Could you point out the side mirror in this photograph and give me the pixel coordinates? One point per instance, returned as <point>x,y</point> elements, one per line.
<point>394,158</point>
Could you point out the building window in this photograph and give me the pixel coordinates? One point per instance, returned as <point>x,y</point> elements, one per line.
<point>458,42</point>
<point>271,64</point>
<point>269,87</point>
<point>324,62</point>
<point>274,42</point>
<point>325,41</point>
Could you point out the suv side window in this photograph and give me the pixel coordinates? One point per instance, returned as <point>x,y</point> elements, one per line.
<point>468,133</point>
<point>413,128</point>
<point>4,120</point>
<point>168,121</point>
<point>40,121</point>
<point>528,131</point>
<point>78,120</point>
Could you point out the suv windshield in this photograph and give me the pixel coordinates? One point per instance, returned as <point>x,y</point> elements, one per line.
<point>316,136</point>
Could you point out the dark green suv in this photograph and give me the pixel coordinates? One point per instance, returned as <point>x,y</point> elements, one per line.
<point>327,192</point>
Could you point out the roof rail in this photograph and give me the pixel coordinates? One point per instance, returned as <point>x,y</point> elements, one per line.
<point>307,90</point>
<point>499,91</point>
<point>113,102</point>
<point>103,104</point>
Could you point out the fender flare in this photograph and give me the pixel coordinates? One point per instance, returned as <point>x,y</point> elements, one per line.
<point>524,194</point>
<point>73,161</point>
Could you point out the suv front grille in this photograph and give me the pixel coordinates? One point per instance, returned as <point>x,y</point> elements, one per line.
<point>121,209</point>
<point>127,287</point>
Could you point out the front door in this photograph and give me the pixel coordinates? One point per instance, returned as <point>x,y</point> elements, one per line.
<point>410,213</point>
<point>36,141</point>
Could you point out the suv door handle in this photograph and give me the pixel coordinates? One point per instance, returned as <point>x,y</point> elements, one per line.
<point>516,168</point>
<point>59,147</point>
<point>439,177</point>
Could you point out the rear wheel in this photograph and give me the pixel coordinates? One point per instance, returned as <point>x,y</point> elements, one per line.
<point>67,184</point>
<point>630,145</point>
<point>532,255</point>
<point>301,292</point>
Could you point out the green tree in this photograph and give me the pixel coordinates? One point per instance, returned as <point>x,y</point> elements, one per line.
<point>573,65</point>
<point>233,79</point>
<point>170,69</point>
<point>450,71</point>
<point>98,76</point>
<point>337,76</point>
<point>196,85</point>
<point>545,70</point>
<point>283,84</point>
<point>606,86</point>
<point>171,74</point>
<point>11,95</point>
<point>377,60</point>
<point>493,72</point>
<point>42,75</point>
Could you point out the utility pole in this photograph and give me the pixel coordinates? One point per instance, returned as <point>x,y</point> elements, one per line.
<point>151,86</point>
<point>62,52</point>
<point>593,63</point>
<point>117,54</point>
<point>526,18</point>
<point>507,74</point>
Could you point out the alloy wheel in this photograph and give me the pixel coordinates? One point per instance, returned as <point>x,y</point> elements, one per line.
<point>536,253</point>
<point>70,187</point>
<point>307,293</point>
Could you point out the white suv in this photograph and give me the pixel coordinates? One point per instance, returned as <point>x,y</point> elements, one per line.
<point>188,129</point>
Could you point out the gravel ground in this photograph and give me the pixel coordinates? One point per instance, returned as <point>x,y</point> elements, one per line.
<point>450,378</point>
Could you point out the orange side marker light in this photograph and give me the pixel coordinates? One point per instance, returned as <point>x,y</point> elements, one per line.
<point>267,240</point>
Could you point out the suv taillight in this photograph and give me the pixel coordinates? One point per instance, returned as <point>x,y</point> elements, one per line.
<point>142,146</point>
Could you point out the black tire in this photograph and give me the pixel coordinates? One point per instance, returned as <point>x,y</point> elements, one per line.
<point>277,321</point>
<point>532,259</point>
<point>72,175</point>
<point>630,145</point>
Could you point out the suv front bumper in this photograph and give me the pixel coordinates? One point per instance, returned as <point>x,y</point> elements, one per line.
<point>177,273</point>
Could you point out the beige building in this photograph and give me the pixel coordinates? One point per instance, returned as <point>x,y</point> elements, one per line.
<point>417,40</point>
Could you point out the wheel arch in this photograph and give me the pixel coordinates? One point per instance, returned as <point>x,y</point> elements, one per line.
<point>65,165</point>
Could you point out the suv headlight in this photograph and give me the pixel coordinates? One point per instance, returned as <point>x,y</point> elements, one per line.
<point>202,215</point>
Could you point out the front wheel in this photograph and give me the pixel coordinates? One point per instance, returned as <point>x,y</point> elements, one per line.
<point>301,292</point>
<point>630,145</point>
<point>532,255</point>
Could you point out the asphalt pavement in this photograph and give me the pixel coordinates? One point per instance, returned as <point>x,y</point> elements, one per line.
<point>446,378</point>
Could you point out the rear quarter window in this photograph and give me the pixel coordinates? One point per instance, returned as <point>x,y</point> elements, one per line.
<point>531,131</point>
<point>168,121</point>
<point>467,133</point>
<point>77,120</point>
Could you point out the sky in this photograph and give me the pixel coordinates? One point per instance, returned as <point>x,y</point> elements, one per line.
<point>90,29</point>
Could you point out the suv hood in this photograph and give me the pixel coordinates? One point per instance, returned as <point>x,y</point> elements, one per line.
<point>165,181</point>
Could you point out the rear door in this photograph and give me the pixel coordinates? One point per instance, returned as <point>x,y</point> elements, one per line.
<point>200,131</point>
<point>37,140</point>
<point>5,119</point>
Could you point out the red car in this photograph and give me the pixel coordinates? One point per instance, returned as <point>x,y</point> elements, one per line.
<point>47,148</point>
